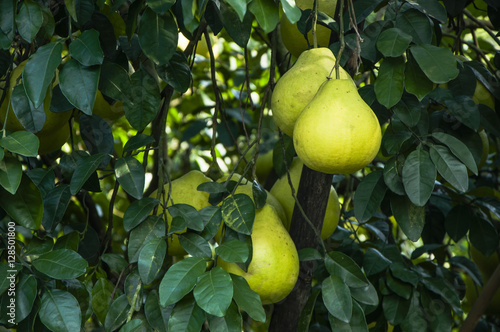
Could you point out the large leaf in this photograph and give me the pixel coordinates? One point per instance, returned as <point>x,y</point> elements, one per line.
<point>240,7</point>
<point>337,298</point>
<point>483,236</point>
<point>189,214</point>
<point>114,81</point>
<point>60,311</point>
<point>408,110</point>
<point>61,264</point>
<point>239,30</point>
<point>465,110</point>
<point>416,82</point>
<point>419,174</point>
<point>30,117</point>
<point>410,217</point>
<point>138,211</point>
<point>291,10</point>
<point>11,172</point>
<point>266,13</point>
<point>101,297</point>
<point>343,266</point>
<point>450,168</point>
<point>55,203</point>
<point>144,102</point>
<point>230,322</point>
<point>79,84</point>
<point>438,64</point>
<point>395,308</point>
<point>247,299</point>
<point>180,279</point>
<point>21,142</point>
<point>392,175</point>
<point>84,170</point>
<point>152,227</point>
<point>369,195</point>
<point>177,72</point>
<point>40,70</point>
<point>97,136</point>
<point>158,35</point>
<point>117,314</point>
<point>390,81</point>
<point>195,245</point>
<point>186,316</point>
<point>374,261</point>
<point>151,259</point>
<point>130,174</point>
<point>459,149</point>
<point>25,206</point>
<point>393,42</point>
<point>233,251</point>
<point>214,291</point>
<point>160,6</point>
<point>26,293</point>
<point>238,213</point>
<point>357,322</point>
<point>29,20</point>
<point>457,221</point>
<point>157,315</point>
<point>86,49</point>
<point>415,24</point>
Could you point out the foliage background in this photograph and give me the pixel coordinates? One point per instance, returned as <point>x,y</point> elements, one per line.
<point>409,221</point>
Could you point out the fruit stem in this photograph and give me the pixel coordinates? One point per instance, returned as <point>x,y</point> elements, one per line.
<point>315,22</point>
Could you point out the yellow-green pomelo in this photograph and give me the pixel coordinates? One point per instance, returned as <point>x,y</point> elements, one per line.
<point>54,140</point>
<point>264,165</point>
<point>297,87</point>
<point>53,121</point>
<point>245,187</point>
<point>337,132</point>
<point>184,190</point>
<point>294,40</point>
<point>106,111</point>
<point>282,191</point>
<point>274,268</point>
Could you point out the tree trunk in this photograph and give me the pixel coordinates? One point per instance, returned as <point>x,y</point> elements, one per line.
<point>312,195</point>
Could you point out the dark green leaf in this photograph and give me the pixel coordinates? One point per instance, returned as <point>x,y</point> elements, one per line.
<point>307,311</point>
<point>97,136</point>
<point>343,266</point>
<point>483,236</point>
<point>61,264</point>
<point>79,84</point>
<point>238,213</point>
<point>212,187</point>
<point>144,102</point>
<point>7,26</point>
<point>43,178</point>
<point>114,82</point>
<point>101,298</point>
<point>186,316</point>
<point>138,141</point>
<point>408,110</point>
<point>214,291</point>
<point>401,272</point>
<point>410,217</point>
<point>156,315</point>
<point>86,48</point>
<point>117,314</point>
<point>152,227</point>
<point>21,142</point>
<point>365,295</point>
<point>395,308</point>
<point>416,82</point>
<point>419,174</point>
<point>393,42</point>
<point>138,211</point>
<point>84,170</point>
<point>195,245</point>
<point>337,298</point>
<point>31,118</point>
<point>357,323</point>
<point>239,30</point>
<point>266,13</point>
<point>259,195</point>
<point>444,289</point>
<point>176,72</point>
<point>400,288</point>
<point>11,172</point>
<point>389,84</point>
<point>158,35</point>
<point>450,168</point>
<point>438,64</point>
<point>116,262</point>
<point>374,262</point>
<point>369,195</point>
<point>415,24</point>
<point>135,325</point>
<point>40,70</point>
<point>151,259</point>
<point>160,6</point>
<point>212,217</point>
<point>25,206</point>
<point>392,175</point>
<point>247,300</point>
<point>233,251</point>
<point>392,141</point>
<point>55,203</point>
<point>29,20</point>
<point>469,267</point>
<point>369,45</point>
<point>282,160</point>
<point>189,214</point>
<point>490,120</point>
<point>459,149</point>
<point>309,254</point>
<point>180,279</point>
<point>130,174</point>
<point>230,322</point>
<point>431,8</point>
<point>26,293</point>
<point>291,10</point>
<point>465,110</point>
<point>60,311</point>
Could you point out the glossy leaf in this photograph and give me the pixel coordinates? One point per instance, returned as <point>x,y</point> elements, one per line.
<point>465,110</point>
<point>55,203</point>
<point>26,293</point>
<point>482,235</point>
<point>307,311</point>
<point>247,300</point>
<point>189,214</point>
<point>374,262</point>
<point>116,262</point>
<point>419,174</point>
<point>458,148</point>
<point>61,264</point>
<point>398,287</point>
<point>84,170</point>
<point>450,168</point>
<point>366,295</point>
<point>233,251</point>
<point>186,316</point>
<point>177,72</point>
<point>136,142</point>
<point>157,35</point>
<point>343,266</point>
<point>138,211</point>
<point>393,177</point>
<point>30,117</point>
<point>416,82</point>
<point>156,315</point>
<point>415,24</point>
<point>266,13</point>
<point>438,64</point>
<point>180,279</point>
<point>25,206</point>
<point>152,227</point>
<point>11,172</point>
<point>79,84</point>
<point>29,20</point>
<point>389,84</point>
<point>114,81</point>
<point>21,142</point>
<point>230,322</point>
<point>393,42</point>
<point>337,298</point>
<point>214,291</point>
<point>410,217</point>
<point>395,308</point>
<point>57,311</point>
<point>160,6</point>
<point>309,254</point>
<point>195,245</point>
<point>444,289</point>
<point>151,259</point>
<point>86,48</point>
<point>369,195</point>
<point>101,298</point>
<point>357,322</point>
<point>469,267</point>
<point>431,8</point>
<point>117,314</point>
<point>408,110</point>
<point>259,195</point>
<point>40,70</point>
<point>130,174</point>
<point>97,136</point>
<point>291,10</point>
<point>238,29</point>
<point>238,213</point>
<point>134,325</point>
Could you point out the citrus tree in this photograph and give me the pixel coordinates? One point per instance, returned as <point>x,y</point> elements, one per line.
<point>229,165</point>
